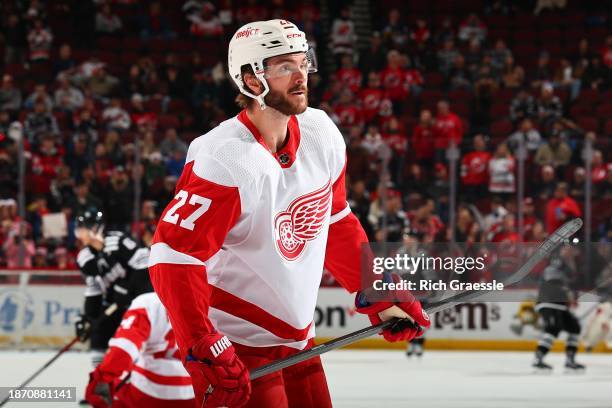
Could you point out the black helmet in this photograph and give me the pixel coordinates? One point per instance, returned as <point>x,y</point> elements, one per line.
<point>90,219</point>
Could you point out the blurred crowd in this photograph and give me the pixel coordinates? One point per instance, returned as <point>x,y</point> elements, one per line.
<point>110,93</point>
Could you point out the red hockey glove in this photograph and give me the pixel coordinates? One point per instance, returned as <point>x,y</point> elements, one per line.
<point>100,390</point>
<point>219,378</point>
<point>414,320</point>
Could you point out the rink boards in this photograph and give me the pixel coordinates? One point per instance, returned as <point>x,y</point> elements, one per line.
<point>40,315</point>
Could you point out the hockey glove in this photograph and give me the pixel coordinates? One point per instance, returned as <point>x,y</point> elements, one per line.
<point>413,319</point>
<point>83,328</point>
<point>219,378</point>
<point>100,390</point>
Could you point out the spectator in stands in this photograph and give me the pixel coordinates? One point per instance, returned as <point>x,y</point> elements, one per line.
<point>547,184</point>
<point>606,52</point>
<point>421,34</point>
<point>485,82</point>
<point>523,106</point>
<point>40,40</point>
<point>39,123</point>
<point>564,78</point>
<point>5,123</point>
<point>371,97</point>
<point>10,95</point>
<point>63,260</point>
<point>13,244</point>
<point>560,208</point>
<point>549,4</point>
<point>506,231</point>
<point>439,187</point>
<point>543,73</point>
<point>501,171</point>
<point>395,31</point>
<point>576,185</point>
<point>118,200</point>
<point>596,75</point>
<point>472,28</point>
<point>413,80</point>
<point>44,166</point>
<point>64,64</point>
<point>343,36</point>
<point>108,23</point>
<point>424,221</point>
<point>475,169</point>
<point>67,97</point>
<point>142,117</point>
<point>554,153</point>
<point>375,57</point>
<point>349,76</point>
<point>473,57</point>
<point>423,144</point>
<point>459,77</point>
<point>358,198</point>
<point>529,218</point>
<point>598,167</point>
<point>446,56</point>
<point>448,129</point>
<point>102,84</point>
<point>391,227</point>
<point>513,76</point>
<point>445,32</point>
<point>205,23</point>
<point>154,173</point>
<point>40,94</point>
<point>527,134</point>
<point>499,55</point>
<point>496,215</point>
<point>115,117</point>
<point>348,113</point>
<point>154,23</point>
<point>83,199</point>
<point>604,189</point>
<point>550,107</point>
<point>172,144</point>
<point>393,78</point>
<point>15,40</point>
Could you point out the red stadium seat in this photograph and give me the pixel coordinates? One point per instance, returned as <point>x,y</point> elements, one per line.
<point>588,123</point>
<point>168,121</point>
<point>588,96</point>
<point>581,109</point>
<point>459,95</point>
<point>462,109</point>
<point>499,111</point>
<point>501,128</point>
<point>604,111</point>
<point>433,80</point>
<point>153,105</point>
<point>608,128</point>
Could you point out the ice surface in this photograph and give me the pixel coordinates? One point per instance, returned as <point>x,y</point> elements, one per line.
<point>364,378</point>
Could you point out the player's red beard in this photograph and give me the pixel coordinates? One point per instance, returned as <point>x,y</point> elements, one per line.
<point>282,103</point>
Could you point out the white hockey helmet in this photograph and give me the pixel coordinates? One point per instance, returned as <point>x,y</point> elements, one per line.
<point>254,42</point>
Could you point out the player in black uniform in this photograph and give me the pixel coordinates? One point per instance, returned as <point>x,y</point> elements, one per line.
<point>114,266</point>
<point>553,304</point>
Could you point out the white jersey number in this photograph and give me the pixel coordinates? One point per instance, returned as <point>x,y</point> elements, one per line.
<point>188,223</point>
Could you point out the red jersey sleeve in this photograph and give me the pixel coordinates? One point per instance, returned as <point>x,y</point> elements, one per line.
<point>125,346</point>
<point>191,230</point>
<point>346,235</point>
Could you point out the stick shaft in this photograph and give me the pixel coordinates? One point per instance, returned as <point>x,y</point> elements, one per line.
<point>549,245</point>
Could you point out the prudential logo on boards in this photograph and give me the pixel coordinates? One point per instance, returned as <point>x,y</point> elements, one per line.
<point>15,307</point>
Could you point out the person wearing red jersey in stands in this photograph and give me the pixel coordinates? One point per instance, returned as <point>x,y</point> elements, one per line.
<point>349,76</point>
<point>506,230</point>
<point>475,169</point>
<point>371,97</point>
<point>394,76</point>
<point>448,127</point>
<point>348,113</point>
<point>422,138</point>
<point>560,208</point>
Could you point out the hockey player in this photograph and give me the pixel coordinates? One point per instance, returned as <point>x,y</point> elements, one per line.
<point>259,209</point>
<point>145,349</point>
<point>554,301</point>
<point>599,326</point>
<point>115,271</point>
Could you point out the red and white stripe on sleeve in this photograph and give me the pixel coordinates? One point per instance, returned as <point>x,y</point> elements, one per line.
<point>191,230</point>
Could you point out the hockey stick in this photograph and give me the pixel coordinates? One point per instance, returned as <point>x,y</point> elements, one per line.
<point>561,235</point>
<point>109,311</point>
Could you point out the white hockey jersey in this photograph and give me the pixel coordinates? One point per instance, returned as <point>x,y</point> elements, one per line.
<point>146,336</point>
<point>246,237</point>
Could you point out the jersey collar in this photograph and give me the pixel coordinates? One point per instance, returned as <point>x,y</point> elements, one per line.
<point>285,156</point>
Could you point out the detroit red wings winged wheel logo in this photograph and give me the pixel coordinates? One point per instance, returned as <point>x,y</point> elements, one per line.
<point>301,222</point>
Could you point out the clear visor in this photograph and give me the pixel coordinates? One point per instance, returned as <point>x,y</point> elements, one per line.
<point>306,65</point>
